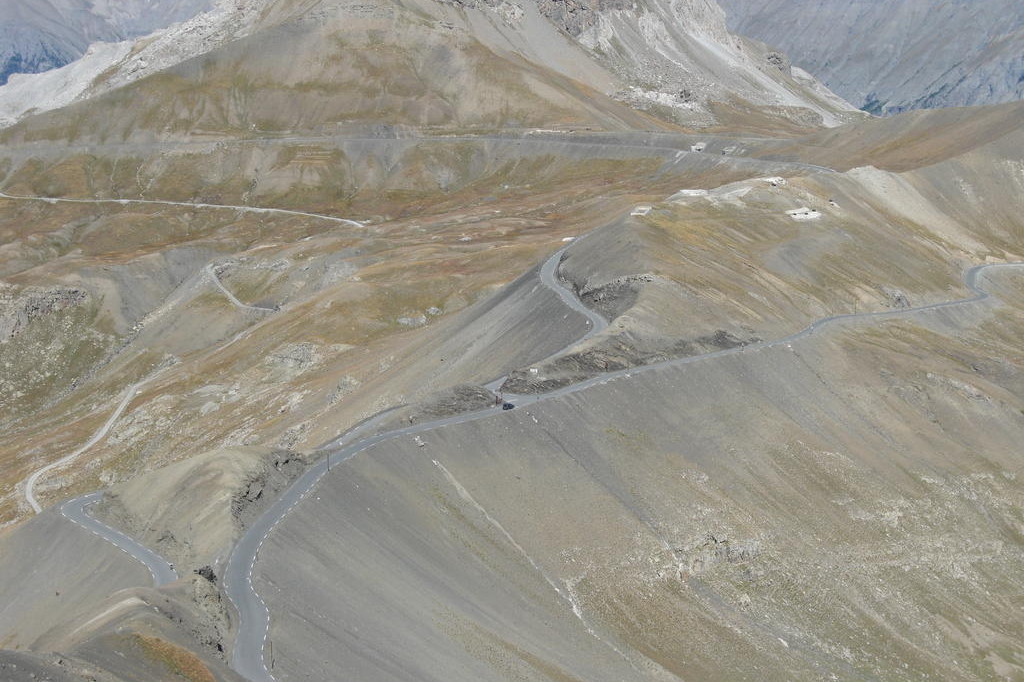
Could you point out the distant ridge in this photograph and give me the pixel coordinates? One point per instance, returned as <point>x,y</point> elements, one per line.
<point>39,35</point>
<point>889,57</point>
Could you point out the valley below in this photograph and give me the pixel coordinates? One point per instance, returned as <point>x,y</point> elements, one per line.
<point>400,342</point>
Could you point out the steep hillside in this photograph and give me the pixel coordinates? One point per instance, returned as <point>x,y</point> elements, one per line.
<point>679,60</point>
<point>887,57</point>
<point>674,59</point>
<point>907,141</point>
<point>110,293</point>
<point>408,340</point>
<point>39,35</point>
<point>661,527</point>
<point>840,505</point>
<point>680,483</point>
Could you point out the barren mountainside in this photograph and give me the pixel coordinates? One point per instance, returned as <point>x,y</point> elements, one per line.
<point>39,35</point>
<point>502,340</point>
<point>673,59</point>
<point>888,57</point>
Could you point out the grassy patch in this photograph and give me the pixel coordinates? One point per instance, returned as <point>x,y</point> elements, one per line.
<point>176,660</point>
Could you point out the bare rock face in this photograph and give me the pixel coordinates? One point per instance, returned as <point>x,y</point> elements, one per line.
<point>893,56</point>
<point>262,487</point>
<point>678,57</point>
<point>16,313</point>
<point>462,398</point>
<point>674,58</point>
<point>576,16</point>
<point>211,629</point>
<point>38,35</point>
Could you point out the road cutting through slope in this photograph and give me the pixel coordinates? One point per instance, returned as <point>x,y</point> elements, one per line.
<point>230,296</point>
<point>185,204</point>
<point>76,511</point>
<point>254,618</point>
<point>248,657</point>
<point>31,481</point>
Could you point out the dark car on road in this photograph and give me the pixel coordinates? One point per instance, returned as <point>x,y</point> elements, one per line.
<point>507,406</point>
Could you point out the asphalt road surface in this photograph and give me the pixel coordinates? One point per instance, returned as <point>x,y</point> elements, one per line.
<point>76,510</point>
<point>254,618</point>
<point>549,278</point>
<point>248,658</point>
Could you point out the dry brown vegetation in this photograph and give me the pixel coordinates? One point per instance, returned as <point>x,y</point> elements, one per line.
<point>344,290</point>
<point>848,505</point>
<point>178,662</point>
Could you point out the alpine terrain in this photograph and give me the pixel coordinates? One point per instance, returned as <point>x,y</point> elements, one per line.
<point>501,340</point>
<point>888,57</point>
<point>39,35</point>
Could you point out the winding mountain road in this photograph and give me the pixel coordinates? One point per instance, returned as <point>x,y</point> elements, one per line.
<point>33,479</point>
<point>549,278</point>
<point>248,657</point>
<point>30,482</point>
<point>185,204</point>
<point>254,618</point>
<point>230,296</point>
<point>76,511</point>
<point>665,143</point>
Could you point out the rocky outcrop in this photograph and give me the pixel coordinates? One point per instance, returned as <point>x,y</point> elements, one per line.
<point>17,312</point>
<point>262,487</point>
<point>212,626</point>
<point>39,35</point>
<point>714,550</point>
<point>614,354</point>
<point>615,297</point>
<point>458,399</point>
<point>293,359</point>
<point>895,298</point>
<point>576,16</point>
<point>889,57</point>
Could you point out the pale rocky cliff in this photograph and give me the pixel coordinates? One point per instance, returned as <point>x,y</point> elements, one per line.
<point>888,57</point>
<point>39,35</point>
<point>678,59</point>
<point>674,58</point>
